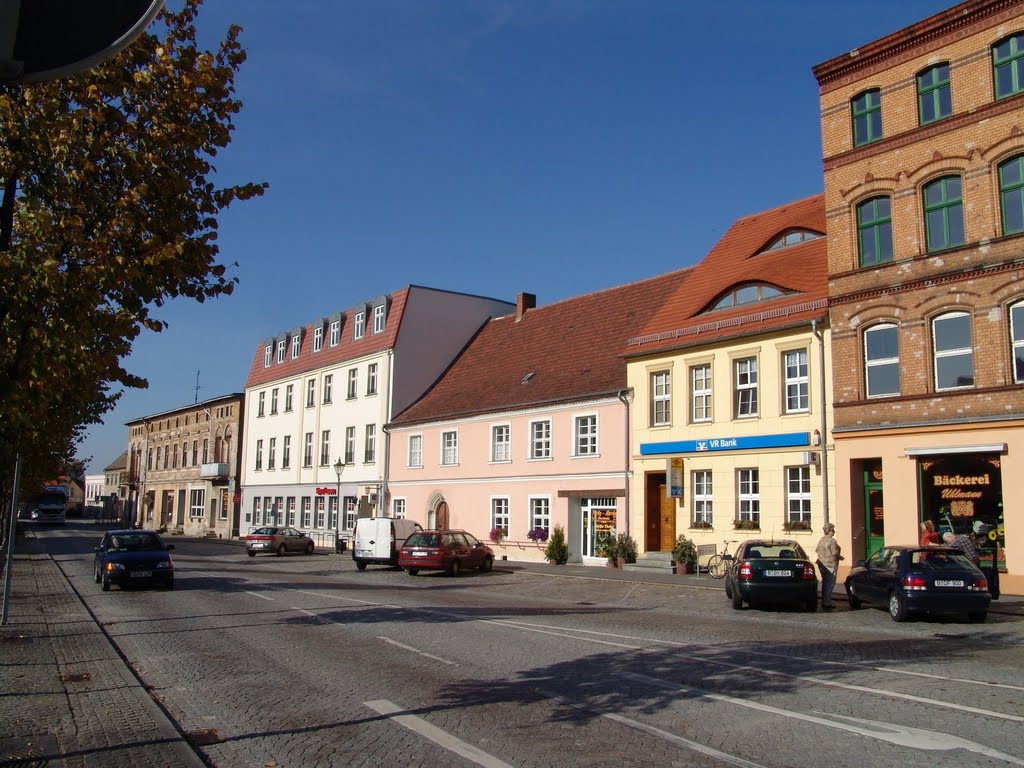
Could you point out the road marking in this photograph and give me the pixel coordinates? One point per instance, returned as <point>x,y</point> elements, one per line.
<point>435,734</point>
<point>415,650</point>
<point>558,632</point>
<point>257,594</point>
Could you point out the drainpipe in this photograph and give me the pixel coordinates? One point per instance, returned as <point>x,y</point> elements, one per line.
<point>387,460</point>
<point>623,395</point>
<point>824,421</point>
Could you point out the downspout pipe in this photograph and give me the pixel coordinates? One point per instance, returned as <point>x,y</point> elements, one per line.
<point>824,421</point>
<point>623,395</point>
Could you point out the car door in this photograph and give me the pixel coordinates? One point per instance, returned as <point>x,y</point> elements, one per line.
<point>877,575</point>
<point>293,539</point>
<point>475,551</point>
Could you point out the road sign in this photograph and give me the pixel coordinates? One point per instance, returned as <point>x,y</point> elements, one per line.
<point>48,39</point>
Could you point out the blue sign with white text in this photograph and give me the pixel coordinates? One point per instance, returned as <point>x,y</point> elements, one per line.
<point>712,444</point>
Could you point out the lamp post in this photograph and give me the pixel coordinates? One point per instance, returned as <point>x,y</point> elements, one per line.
<point>339,467</point>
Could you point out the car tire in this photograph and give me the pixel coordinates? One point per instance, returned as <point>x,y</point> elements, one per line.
<point>250,553</point>
<point>728,588</point>
<point>737,600</point>
<point>978,617</point>
<point>412,571</point>
<point>281,550</point>
<point>487,564</point>
<point>105,584</point>
<point>309,548</point>
<point>897,607</point>
<point>97,575</point>
<point>851,597</point>
<point>454,568</point>
<point>361,565</point>
<point>169,584</point>
<point>811,606</point>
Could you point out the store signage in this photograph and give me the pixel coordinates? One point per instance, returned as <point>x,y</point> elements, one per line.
<point>326,492</point>
<point>674,469</point>
<point>711,445</point>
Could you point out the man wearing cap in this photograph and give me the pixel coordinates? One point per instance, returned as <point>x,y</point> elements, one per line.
<point>828,563</point>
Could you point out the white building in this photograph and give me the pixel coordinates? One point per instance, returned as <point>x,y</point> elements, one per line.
<point>317,398</point>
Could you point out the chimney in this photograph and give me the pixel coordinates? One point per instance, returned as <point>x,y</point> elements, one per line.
<point>524,301</point>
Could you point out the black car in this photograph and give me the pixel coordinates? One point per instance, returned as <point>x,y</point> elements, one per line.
<point>133,558</point>
<point>769,571</point>
<point>910,580</point>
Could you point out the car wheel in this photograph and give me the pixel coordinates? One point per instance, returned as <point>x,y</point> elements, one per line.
<point>978,617</point>
<point>250,553</point>
<point>281,550</point>
<point>105,584</point>
<point>811,606</point>
<point>309,548</point>
<point>412,571</point>
<point>737,600</point>
<point>897,607</point>
<point>361,565</point>
<point>487,564</point>
<point>851,597</point>
<point>97,575</point>
<point>454,568</point>
<point>728,587</point>
<point>169,584</point>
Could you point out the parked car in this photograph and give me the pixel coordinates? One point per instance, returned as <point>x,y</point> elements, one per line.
<point>278,540</point>
<point>909,580</point>
<point>450,551</point>
<point>769,571</point>
<point>133,558</point>
<point>378,540</point>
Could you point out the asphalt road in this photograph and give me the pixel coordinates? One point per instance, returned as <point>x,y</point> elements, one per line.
<point>305,661</point>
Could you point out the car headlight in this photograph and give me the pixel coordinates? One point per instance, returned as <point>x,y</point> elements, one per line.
<point>164,564</point>
<point>115,566</point>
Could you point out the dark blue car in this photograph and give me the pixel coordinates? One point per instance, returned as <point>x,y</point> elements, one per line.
<point>909,580</point>
<point>133,558</point>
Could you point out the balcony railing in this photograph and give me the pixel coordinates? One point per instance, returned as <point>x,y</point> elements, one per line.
<point>212,471</point>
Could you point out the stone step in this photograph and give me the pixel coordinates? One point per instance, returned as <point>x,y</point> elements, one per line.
<point>651,561</point>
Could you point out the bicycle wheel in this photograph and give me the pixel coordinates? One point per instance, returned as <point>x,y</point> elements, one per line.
<point>716,566</point>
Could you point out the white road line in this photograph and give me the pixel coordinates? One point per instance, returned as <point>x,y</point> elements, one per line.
<point>436,735</point>
<point>257,594</point>
<point>557,632</point>
<point>415,650</point>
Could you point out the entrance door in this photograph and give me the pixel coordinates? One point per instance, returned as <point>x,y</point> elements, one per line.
<point>668,521</point>
<point>442,516</point>
<point>874,507</point>
<point>654,497</point>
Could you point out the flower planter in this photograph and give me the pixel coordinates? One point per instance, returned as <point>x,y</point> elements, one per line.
<point>683,569</point>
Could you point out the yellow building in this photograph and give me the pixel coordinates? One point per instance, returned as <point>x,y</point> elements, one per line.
<point>732,390</point>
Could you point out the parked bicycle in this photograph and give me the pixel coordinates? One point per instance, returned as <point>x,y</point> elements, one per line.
<point>719,563</point>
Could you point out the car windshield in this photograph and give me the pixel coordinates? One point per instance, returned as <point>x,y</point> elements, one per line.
<point>785,550</point>
<point>940,561</point>
<point>134,541</point>
<point>264,532</point>
<point>422,540</point>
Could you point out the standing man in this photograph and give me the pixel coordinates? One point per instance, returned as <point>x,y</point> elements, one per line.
<point>828,563</point>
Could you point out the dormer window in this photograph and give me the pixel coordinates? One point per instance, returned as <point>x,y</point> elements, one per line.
<point>748,294</point>
<point>280,350</point>
<point>268,355</point>
<point>335,332</point>
<point>791,237</point>
<point>378,319</point>
<point>296,345</point>
<point>359,325</point>
<point>318,338</point>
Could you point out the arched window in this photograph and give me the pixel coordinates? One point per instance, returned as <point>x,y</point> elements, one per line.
<point>791,237</point>
<point>874,231</point>
<point>1008,65</point>
<point>953,352</point>
<point>944,213</point>
<point>1017,340</point>
<point>748,294</point>
<point>867,117</point>
<point>882,360</point>
<point>1011,195</point>
<point>934,100</point>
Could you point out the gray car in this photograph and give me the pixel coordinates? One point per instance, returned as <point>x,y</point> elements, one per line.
<point>278,540</point>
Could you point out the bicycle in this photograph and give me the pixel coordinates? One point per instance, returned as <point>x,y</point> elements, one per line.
<point>719,563</point>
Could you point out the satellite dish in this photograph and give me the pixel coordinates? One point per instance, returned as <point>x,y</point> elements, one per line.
<point>48,39</point>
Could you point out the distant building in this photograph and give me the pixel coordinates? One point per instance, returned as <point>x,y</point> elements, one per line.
<point>93,490</point>
<point>115,478</point>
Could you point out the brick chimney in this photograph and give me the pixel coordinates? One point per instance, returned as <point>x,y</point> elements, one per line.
<point>524,301</point>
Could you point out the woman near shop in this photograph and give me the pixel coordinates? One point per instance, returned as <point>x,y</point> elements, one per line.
<point>929,535</point>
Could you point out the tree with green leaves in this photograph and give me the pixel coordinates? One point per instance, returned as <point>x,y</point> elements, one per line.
<point>109,209</point>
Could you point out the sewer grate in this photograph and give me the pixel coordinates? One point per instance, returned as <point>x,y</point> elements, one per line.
<point>203,737</point>
<point>77,677</point>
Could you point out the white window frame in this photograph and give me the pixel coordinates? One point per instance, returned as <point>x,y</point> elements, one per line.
<point>307,451</point>
<point>261,404</point>
<point>296,346</point>
<point>286,452</point>
<point>259,456</point>
<point>350,445</point>
<point>352,389</point>
<point>881,362</point>
<point>370,446</point>
<point>378,319</point>
<point>307,511</point>
<point>325,447</point>
<point>268,355</point>
<point>748,494</point>
<point>585,435</point>
<point>745,404</point>
<point>289,391</point>
<point>661,398</point>
<point>197,503</point>
<point>359,325</point>
<point>798,494</point>
<point>311,393</point>
<point>271,451</point>
<point>273,401</point>
<point>399,506</point>
<point>700,393</point>
<point>501,443</point>
<point>702,483</point>
<point>450,448</point>
<point>371,379</point>
<point>954,352</point>
<point>281,350</point>
<point>540,512</point>
<point>500,516</point>
<point>1015,313</point>
<point>318,338</point>
<point>328,387</point>
<point>540,440</point>
<point>289,519</point>
<point>321,513</point>
<point>415,454</point>
<point>795,367</point>
<point>335,333</point>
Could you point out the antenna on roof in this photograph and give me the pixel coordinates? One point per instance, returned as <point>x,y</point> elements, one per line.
<point>197,387</point>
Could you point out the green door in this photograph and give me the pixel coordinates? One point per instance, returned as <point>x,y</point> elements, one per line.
<point>874,507</point>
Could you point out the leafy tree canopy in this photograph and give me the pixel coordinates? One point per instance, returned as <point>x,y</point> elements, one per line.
<point>109,209</point>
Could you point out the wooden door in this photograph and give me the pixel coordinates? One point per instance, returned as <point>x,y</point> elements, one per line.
<point>668,521</point>
<point>442,516</point>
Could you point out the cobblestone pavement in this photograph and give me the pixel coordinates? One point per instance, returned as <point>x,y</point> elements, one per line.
<point>69,698</point>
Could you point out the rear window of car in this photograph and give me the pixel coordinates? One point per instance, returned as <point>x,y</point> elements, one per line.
<point>264,532</point>
<point>940,561</point>
<point>422,540</point>
<point>784,551</point>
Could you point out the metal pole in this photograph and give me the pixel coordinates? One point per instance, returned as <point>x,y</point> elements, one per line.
<point>10,540</point>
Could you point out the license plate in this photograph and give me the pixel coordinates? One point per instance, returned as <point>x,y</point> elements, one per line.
<point>419,554</point>
<point>949,582</point>
<point>778,573</point>
<point>141,574</point>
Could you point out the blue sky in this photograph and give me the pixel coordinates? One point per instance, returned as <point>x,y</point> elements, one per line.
<point>490,146</point>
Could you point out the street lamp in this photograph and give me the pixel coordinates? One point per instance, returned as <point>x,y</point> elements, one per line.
<point>339,467</point>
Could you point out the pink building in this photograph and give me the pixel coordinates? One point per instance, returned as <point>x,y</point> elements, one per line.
<point>528,427</point>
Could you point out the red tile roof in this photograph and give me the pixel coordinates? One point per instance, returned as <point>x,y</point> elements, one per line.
<point>738,259</point>
<point>569,350</point>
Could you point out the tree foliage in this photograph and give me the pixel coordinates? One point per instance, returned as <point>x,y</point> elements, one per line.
<point>109,210</point>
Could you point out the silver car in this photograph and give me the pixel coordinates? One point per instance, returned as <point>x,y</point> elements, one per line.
<point>278,540</point>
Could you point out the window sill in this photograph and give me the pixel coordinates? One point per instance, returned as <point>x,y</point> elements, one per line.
<point>541,458</point>
<point>499,461</point>
<point>585,456</point>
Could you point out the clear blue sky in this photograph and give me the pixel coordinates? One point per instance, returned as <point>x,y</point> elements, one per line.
<point>491,146</point>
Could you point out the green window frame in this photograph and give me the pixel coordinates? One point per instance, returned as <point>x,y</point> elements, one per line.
<point>944,213</point>
<point>874,231</point>
<point>934,97</point>
<point>1008,65</point>
<point>1011,195</point>
<point>867,117</point>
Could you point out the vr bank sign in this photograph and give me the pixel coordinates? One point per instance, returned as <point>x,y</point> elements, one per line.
<point>754,442</point>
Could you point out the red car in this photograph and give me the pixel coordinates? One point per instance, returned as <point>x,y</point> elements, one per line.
<point>449,551</point>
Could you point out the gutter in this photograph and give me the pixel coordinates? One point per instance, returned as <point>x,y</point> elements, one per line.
<point>824,421</point>
<point>623,395</point>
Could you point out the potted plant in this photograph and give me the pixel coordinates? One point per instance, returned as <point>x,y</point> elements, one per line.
<point>625,546</point>
<point>498,534</point>
<point>608,548</point>
<point>701,525</point>
<point>796,525</point>
<point>557,550</point>
<point>746,525</point>
<point>684,553</point>
<point>537,534</point>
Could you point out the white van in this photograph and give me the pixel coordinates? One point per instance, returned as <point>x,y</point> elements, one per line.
<point>378,539</point>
